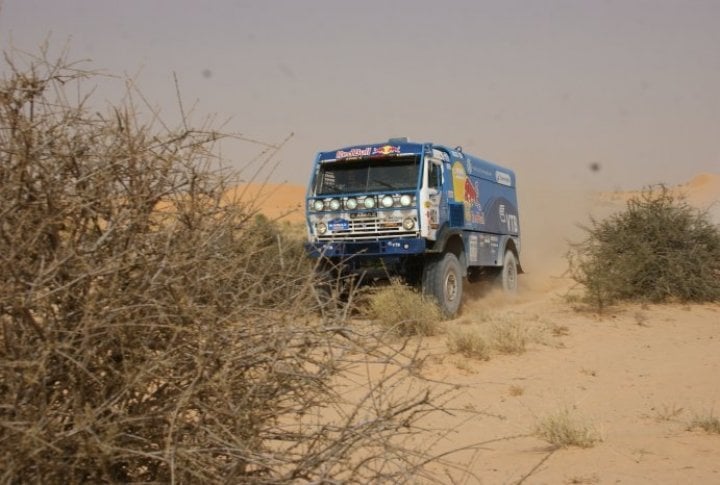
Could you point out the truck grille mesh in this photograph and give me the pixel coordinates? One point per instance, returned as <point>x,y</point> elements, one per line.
<point>367,229</point>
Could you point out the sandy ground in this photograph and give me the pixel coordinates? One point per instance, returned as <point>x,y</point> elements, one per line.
<point>637,375</point>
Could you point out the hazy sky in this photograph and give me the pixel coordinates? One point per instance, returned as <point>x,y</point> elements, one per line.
<point>547,87</point>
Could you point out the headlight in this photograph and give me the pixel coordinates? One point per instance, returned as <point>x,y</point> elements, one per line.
<point>351,203</point>
<point>408,223</point>
<point>369,202</point>
<point>405,200</point>
<point>387,201</point>
<point>318,205</point>
<point>334,204</point>
<point>321,228</point>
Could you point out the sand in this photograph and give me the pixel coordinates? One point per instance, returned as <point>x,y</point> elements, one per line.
<point>284,202</point>
<point>637,375</point>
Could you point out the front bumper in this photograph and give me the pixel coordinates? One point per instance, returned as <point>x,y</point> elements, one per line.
<point>379,248</point>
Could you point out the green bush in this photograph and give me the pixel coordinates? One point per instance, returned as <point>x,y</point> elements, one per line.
<point>658,249</point>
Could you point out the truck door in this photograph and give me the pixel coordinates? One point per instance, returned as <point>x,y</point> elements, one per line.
<point>433,198</point>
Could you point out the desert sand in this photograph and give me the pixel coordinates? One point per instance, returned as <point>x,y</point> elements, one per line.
<point>637,374</point>
<point>276,201</point>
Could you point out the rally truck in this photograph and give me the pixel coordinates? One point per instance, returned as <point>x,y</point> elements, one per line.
<point>427,213</point>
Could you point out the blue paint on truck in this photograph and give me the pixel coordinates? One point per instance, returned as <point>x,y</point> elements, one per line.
<point>423,211</point>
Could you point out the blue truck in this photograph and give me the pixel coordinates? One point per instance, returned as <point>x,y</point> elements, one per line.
<point>427,213</point>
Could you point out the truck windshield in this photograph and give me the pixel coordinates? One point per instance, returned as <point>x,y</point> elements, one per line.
<point>367,175</point>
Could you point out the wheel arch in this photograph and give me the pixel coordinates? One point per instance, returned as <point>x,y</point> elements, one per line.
<point>451,240</point>
<point>511,245</point>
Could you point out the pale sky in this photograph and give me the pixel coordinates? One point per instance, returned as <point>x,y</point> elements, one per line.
<point>546,87</point>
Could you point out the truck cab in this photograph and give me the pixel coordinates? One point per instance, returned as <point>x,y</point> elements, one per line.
<point>425,212</point>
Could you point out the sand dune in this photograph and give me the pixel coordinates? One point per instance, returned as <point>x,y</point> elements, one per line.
<point>702,192</point>
<point>276,201</point>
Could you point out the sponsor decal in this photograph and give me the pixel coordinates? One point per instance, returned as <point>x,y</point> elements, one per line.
<point>471,193</point>
<point>466,190</point>
<point>458,181</point>
<point>501,213</point>
<point>385,150</point>
<point>336,225</point>
<point>512,223</point>
<point>354,152</point>
<point>473,248</point>
<point>367,151</point>
<point>503,178</point>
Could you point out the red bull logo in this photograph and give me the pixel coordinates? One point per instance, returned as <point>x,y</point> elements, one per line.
<point>385,150</point>
<point>353,152</point>
<point>471,194</point>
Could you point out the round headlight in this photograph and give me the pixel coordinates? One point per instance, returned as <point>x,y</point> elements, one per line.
<point>321,228</point>
<point>334,204</point>
<point>351,203</point>
<point>408,223</point>
<point>405,200</point>
<point>387,201</point>
<point>318,205</point>
<point>369,202</point>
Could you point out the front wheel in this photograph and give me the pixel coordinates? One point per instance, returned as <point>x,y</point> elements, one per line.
<point>443,280</point>
<point>507,278</point>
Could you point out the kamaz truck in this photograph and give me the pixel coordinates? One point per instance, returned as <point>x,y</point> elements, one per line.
<point>427,213</point>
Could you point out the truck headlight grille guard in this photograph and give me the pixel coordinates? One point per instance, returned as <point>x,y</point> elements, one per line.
<point>359,229</point>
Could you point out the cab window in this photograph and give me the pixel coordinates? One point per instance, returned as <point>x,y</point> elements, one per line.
<point>435,176</point>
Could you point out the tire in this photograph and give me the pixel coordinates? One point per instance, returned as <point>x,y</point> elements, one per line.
<point>507,277</point>
<point>443,280</point>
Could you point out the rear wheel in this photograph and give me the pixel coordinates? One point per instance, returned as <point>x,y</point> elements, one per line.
<point>507,277</point>
<point>443,280</point>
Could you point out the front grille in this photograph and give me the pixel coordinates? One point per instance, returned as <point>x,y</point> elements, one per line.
<point>370,228</point>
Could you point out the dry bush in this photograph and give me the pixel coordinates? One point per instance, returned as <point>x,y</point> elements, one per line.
<point>151,332</point>
<point>508,335</point>
<point>707,422</point>
<point>403,311</point>
<point>658,249</point>
<point>563,430</point>
<point>504,333</point>
<point>668,412</point>
<point>468,342</point>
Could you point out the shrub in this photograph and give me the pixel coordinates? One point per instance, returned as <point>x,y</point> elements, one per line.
<point>707,422</point>
<point>562,430</point>
<point>508,335</point>
<point>151,331</point>
<point>404,311</point>
<point>469,343</point>
<point>658,249</point>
